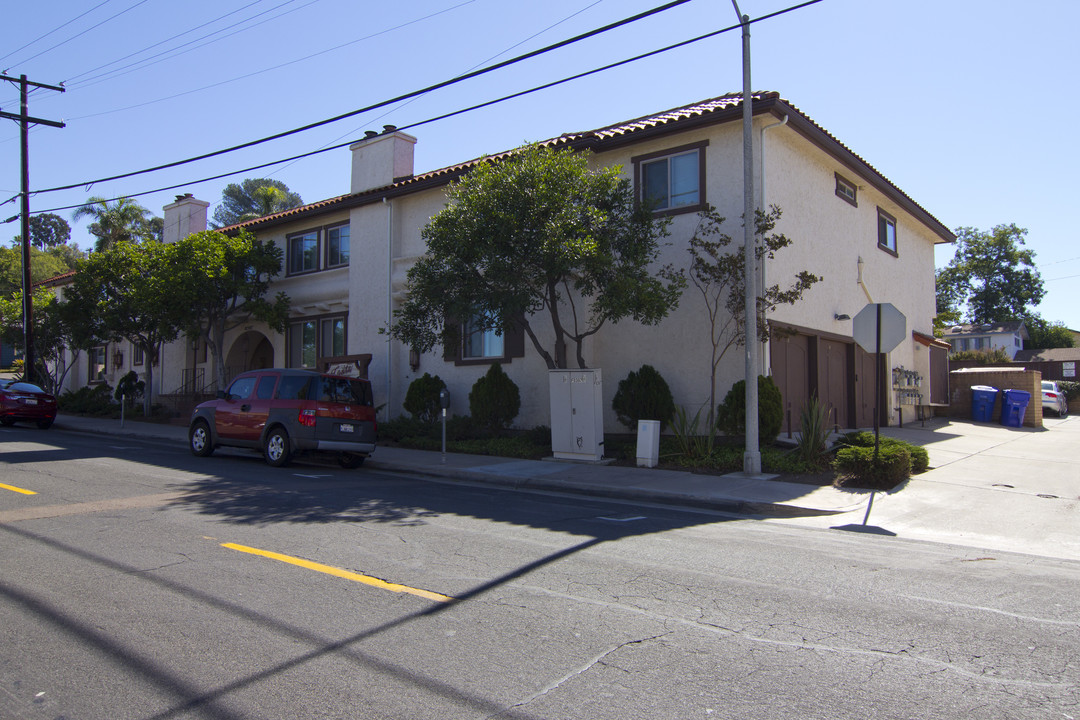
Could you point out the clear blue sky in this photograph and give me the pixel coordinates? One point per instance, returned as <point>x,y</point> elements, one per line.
<point>967,105</point>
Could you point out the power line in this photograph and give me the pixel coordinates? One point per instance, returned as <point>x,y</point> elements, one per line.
<point>59,27</point>
<point>147,62</point>
<point>443,116</point>
<point>474,67</point>
<point>274,67</point>
<point>76,35</point>
<point>71,81</point>
<point>384,103</point>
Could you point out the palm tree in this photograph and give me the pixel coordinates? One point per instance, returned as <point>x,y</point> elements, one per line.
<point>253,198</point>
<point>122,221</point>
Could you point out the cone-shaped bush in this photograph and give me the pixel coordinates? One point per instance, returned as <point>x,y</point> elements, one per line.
<point>643,395</point>
<point>494,400</point>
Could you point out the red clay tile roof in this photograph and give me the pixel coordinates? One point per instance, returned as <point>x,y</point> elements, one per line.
<point>714,110</point>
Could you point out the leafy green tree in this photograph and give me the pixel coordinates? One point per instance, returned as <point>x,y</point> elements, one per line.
<point>222,282</point>
<point>544,233</point>
<point>46,231</point>
<point>253,198</point>
<point>719,275</point>
<point>55,346</point>
<point>121,221</point>
<point>991,278</point>
<point>1044,334</point>
<point>43,265</point>
<point>125,293</point>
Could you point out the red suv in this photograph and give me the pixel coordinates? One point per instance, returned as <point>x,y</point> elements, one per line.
<point>285,412</point>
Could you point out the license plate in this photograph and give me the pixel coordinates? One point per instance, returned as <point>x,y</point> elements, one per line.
<point>30,401</point>
<point>345,428</point>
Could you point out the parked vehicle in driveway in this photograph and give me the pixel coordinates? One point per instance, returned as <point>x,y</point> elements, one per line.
<point>283,413</point>
<point>25,402</point>
<point>1053,399</point>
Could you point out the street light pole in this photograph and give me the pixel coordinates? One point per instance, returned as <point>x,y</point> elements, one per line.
<point>752,454</point>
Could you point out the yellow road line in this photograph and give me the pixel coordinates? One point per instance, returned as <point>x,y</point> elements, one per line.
<point>12,488</point>
<point>338,572</point>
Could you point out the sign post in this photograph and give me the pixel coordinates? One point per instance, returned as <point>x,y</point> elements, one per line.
<point>878,328</point>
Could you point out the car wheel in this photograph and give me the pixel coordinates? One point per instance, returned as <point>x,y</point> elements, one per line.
<point>7,422</point>
<point>276,450</point>
<point>199,439</point>
<point>350,460</point>
<point>45,424</point>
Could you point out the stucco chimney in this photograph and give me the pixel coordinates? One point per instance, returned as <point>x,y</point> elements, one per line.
<point>380,159</point>
<point>184,217</point>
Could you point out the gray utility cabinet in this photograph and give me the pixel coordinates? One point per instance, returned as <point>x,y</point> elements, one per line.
<point>577,414</point>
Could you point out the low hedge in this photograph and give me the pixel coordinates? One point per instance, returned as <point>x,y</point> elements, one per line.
<point>920,460</point>
<point>857,464</point>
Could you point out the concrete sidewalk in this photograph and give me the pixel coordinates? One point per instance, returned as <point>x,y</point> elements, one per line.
<point>992,487</point>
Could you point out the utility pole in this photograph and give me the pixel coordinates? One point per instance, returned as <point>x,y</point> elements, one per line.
<point>752,454</point>
<point>24,121</point>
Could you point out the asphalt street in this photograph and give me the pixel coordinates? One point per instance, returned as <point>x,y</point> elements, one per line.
<point>140,582</point>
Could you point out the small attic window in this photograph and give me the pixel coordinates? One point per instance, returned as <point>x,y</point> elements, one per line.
<point>846,190</point>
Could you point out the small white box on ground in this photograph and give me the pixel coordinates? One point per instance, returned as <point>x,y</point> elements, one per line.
<point>648,443</point>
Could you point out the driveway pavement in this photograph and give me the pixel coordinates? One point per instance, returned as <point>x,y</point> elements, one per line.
<point>992,487</point>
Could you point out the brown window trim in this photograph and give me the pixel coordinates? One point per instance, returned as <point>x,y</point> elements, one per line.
<point>513,347</point>
<point>895,252</point>
<point>289,256</point>
<point>322,249</point>
<point>702,203</point>
<point>317,319</point>
<point>854,198</point>
<point>325,249</point>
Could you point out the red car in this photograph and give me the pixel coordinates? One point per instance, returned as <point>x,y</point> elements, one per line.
<point>25,402</point>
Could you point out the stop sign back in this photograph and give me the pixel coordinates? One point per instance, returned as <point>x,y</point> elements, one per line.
<point>864,328</point>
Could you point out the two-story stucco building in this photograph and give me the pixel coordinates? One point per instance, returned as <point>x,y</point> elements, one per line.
<point>346,260</point>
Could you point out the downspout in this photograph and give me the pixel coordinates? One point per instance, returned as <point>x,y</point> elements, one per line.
<point>766,362</point>
<point>862,284</point>
<point>389,292</point>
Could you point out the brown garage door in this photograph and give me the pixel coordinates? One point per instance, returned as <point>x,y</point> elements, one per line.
<point>790,368</point>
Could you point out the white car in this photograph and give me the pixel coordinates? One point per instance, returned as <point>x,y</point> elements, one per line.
<point>1053,399</point>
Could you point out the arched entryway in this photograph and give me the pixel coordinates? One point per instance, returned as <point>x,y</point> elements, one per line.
<point>250,351</point>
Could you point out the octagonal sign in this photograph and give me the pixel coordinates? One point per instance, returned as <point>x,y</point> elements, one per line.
<point>864,327</point>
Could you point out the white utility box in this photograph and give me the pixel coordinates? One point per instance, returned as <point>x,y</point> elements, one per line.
<point>577,414</point>
<point>648,443</point>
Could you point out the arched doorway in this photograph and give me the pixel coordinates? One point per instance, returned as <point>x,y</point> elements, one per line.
<point>250,351</point>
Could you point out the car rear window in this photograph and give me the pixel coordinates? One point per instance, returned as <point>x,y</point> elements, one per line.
<point>293,387</point>
<point>344,390</point>
<point>23,387</point>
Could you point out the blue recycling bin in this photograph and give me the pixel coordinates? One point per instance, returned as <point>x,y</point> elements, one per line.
<point>1013,406</point>
<point>983,398</point>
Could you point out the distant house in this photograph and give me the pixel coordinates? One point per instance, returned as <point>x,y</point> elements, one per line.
<point>1054,363</point>
<point>1009,336</point>
<point>346,260</point>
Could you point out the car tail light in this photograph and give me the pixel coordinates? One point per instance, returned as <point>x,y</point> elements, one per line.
<point>306,418</point>
<point>1052,395</point>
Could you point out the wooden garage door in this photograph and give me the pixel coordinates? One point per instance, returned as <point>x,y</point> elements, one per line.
<point>790,368</point>
<point>833,380</point>
<point>864,388</point>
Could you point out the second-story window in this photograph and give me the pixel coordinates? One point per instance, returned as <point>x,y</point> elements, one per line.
<point>337,246</point>
<point>672,181</point>
<point>886,232</point>
<point>304,253</point>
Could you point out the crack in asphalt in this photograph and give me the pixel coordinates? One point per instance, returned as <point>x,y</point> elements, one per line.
<point>597,660</point>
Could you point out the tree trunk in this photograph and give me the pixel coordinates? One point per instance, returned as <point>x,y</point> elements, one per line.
<point>215,341</point>
<point>150,353</point>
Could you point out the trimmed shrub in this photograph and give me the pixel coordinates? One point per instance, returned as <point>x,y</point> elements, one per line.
<point>422,398</point>
<point>93,400</point>
<point>731,414</point>
<point>494,400</point>
<point>920,459</point>
<point>643,395</point>
<point>403,427</point>
<point>857,465</point>
<point>131,387</point>
<point>1071,388</point>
